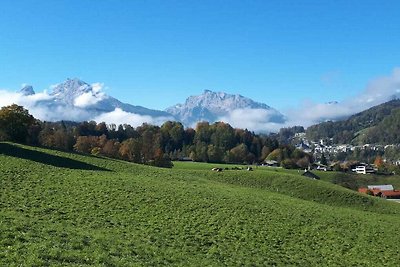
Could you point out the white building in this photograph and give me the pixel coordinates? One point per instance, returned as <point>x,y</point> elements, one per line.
<point>364,169</point>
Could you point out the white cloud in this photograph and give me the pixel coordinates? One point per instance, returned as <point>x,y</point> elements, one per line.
<point>97,87</point>
<point>8,98</point>
<point>43,111</point>
<point>92,97</point>
<point>42,107</point>
<point>381,89</point>
<point>118,116</point>
<point>88,99</point>
<point>257,120</point>
<point>378,91</point>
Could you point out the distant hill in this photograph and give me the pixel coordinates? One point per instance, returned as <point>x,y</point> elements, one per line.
<point>379,124</point>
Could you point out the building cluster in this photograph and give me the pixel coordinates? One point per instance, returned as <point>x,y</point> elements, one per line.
<point>328,148</point>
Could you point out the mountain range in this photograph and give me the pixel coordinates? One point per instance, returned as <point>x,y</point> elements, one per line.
<point>77,95</point>
<point>76,100</point>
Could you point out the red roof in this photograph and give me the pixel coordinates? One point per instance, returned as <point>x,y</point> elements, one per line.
<point>391,193</point>
<point>377,191</point>
<point>363,190</point>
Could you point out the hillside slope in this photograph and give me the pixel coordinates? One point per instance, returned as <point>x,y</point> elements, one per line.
<point>66,209</point>
<point>372,124</point>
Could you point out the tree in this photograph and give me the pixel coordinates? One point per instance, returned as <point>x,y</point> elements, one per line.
<point>111,148</point>
<point>378,162</point>
<point>162,160</point>
<point>15,122</point>
<point>276,155</point>
<point>265,152</point>
<point>288,164</point>
<point>238,154</point>
<point>303,163</point>
<point>215,154</point>
<point>323,160</point>
<point>131,149</point>
<point>85,144</point>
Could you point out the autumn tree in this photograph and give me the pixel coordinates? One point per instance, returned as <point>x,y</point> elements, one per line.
<point>15,122</point>
<point>161,159</point>
<point>111,148</point>
<point>86,144</point>
<point>238,154</point>
<point>378,162</point>
<point>131,149</point>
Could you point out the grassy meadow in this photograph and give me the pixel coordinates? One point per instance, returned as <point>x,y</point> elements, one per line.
<point>63,209</point>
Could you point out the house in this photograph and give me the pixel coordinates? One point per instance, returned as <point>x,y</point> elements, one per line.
<point>364,169</point>
<point>395,194</point>
<point>320,167</point>
<point>304,147</point>
<point>383,191</point>
<point>185,159</point>
<point>381,187</point>
<point>373,192</point>
<point>271,163</point>
<point>310,175</point>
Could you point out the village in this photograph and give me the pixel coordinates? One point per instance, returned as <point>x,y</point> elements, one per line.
<point>336,153</point>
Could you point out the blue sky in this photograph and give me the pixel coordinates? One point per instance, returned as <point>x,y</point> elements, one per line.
<point>156,53</point>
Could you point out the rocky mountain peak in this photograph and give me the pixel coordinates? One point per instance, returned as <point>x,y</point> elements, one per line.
<point>27,90</point>
<point>70,89</point>
<point>72,86</point>
<point>210,106</point>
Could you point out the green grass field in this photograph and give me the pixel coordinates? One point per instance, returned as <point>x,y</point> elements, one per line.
<point>359,180</point>
<point>61,209</point>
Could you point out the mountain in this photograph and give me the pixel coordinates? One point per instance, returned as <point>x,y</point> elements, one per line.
<point>212,106</point>
<point>27,90</point>
<point>78,96</point>
<point>378,124</point>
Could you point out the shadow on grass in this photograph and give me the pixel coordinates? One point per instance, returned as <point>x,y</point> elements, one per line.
<point>41,157</point>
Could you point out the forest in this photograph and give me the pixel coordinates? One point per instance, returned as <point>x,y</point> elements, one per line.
<point>149,144</point>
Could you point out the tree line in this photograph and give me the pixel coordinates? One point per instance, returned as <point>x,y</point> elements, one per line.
<point>148,144</point>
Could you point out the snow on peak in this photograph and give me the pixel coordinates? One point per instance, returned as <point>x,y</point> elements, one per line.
<point>78,93</point>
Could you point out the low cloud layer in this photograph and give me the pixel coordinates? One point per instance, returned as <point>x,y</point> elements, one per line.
<point>118,116</point>
<point>257,120</point>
